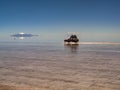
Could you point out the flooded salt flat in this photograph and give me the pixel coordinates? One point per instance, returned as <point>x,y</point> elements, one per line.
<point>60,67</point>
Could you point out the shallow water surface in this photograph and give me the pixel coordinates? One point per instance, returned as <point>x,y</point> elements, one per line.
<point>60,67</point>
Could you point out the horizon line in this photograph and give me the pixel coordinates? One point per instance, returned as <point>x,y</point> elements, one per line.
<point>99,42</point>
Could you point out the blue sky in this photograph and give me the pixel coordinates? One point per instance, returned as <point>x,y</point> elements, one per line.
<point>94,20</point>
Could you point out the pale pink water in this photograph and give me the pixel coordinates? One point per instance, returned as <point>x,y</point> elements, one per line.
<point>83,67</point>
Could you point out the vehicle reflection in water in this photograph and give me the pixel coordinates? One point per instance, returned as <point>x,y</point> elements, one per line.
<point>71,48</point>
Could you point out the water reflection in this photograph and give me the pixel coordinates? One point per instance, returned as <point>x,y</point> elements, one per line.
<point>71,48</point>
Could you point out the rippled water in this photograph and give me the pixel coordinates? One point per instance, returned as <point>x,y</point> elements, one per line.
<point>60,66</point>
